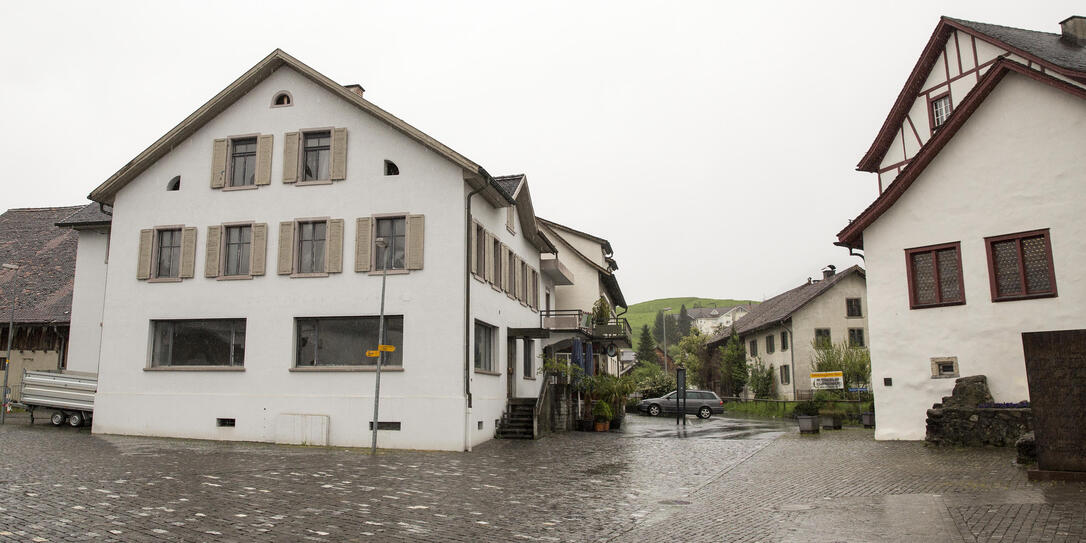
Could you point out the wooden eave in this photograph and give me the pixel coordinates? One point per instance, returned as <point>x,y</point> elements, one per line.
<point>935,46</point>
<point>473,173</point>
<point>852,235</point>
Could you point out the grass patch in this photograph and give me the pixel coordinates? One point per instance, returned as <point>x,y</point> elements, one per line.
<point>645,312</point>
<point>783,409</point>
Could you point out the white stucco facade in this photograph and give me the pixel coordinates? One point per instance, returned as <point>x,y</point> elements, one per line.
<point>85,333</point>
<point>426,397</point>
<point>1008,169</point>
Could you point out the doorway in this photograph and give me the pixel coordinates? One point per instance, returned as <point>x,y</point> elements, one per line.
<point>511,367</point>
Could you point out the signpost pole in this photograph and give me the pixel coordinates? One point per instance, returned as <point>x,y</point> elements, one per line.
<point>381,244</point>
<point>11,334</point>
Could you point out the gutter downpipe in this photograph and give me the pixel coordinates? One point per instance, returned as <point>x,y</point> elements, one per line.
<point>467,315</point>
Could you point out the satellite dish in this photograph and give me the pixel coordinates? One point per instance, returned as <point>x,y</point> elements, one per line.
<point>612,350</point>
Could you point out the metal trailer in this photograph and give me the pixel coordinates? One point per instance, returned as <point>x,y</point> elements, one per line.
<point>69,394</point>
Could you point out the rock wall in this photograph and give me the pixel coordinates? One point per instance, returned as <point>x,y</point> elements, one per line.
<point>957,421</point>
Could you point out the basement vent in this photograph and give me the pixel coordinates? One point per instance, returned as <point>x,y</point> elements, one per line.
<point>888,381</point>
<point>383,425</point>
<point>480,425</point>
<point>224,423</point>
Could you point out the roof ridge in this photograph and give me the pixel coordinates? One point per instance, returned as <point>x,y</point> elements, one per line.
<point>955,19</point>
<point>52,208</point>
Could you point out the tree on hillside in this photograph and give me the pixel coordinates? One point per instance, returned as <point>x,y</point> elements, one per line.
<point>697,305</point>
<point>733,366</point>
<point>658,327</point>
<point>672,329</point>
<point>694,356</point>
<point>684,321</point>
<point>646,347</point>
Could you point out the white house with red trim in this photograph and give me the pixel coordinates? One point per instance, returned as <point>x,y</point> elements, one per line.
<point>977,233</point>
<point>247,249</point>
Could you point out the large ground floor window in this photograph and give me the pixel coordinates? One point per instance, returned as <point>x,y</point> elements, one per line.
<point>343,341</point>
<point>203,342</point>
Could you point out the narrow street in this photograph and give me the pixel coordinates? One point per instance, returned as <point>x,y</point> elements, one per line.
<point>725,479</point>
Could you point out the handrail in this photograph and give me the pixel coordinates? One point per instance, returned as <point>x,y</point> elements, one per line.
<point>540,401</point>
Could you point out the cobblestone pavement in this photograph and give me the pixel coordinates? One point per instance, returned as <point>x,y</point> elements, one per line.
<point>720,480</point>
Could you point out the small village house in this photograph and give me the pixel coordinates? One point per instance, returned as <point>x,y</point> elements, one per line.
<point>708,320</point>
<point>246,250</point>
<point>976,235</point>
<point>782,330</point>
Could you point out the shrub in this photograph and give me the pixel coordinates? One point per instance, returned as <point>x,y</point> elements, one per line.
<point>761,379</point>
<point>809,408</point>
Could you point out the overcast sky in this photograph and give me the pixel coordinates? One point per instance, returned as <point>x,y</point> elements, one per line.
<point>713,143</point>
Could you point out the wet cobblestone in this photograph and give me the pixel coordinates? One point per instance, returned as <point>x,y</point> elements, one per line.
<point>726,480</point>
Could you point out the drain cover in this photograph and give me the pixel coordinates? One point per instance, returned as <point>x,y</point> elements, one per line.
<point>675,502</point>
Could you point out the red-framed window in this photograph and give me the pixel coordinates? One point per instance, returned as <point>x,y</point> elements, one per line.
<point>935,275</point>
<point>939,109</point>
<point>1020,266</point>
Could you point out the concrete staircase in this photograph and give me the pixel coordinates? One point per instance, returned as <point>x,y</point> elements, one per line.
<point>517,420</point>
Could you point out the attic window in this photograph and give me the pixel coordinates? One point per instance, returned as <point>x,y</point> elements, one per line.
<point>390,168</point>
<point>282,99</point>
<point>940,111</point>
<point>174,184</point>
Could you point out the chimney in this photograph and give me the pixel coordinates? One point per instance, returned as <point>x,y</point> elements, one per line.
<point>1074,30</point>
<point>355,88</point>
<point>828,271</point>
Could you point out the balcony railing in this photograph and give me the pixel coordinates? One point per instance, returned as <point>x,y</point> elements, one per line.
<point>616,328</point>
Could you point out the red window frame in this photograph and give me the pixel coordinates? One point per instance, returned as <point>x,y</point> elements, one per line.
<point>1019,236</point>
<point>957,246</point>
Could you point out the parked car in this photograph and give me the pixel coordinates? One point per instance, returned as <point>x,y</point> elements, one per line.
<point>702,403</point>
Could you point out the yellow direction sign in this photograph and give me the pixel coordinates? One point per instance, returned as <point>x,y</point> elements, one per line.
<point>386,348</point>
<point>373,354</point>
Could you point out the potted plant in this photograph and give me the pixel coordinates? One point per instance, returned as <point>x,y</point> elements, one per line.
<point>868,417</point>
<point>807,415</point>
<point>603,414</point>
<point>601,311</point>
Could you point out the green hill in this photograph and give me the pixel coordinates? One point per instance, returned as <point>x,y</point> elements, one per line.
<point>645,312</point>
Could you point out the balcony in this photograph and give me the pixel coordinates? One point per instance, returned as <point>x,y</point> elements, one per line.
<point>575,320</point>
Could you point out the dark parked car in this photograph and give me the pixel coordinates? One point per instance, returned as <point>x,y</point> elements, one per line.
<point>702,403</point>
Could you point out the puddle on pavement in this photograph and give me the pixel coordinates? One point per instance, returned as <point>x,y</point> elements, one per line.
<point>613,468</point>
<point>714,428</point>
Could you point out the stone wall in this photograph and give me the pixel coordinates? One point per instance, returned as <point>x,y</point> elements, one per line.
<point>957,421</point>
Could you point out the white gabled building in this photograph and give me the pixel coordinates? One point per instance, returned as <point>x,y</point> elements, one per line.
<point>976,235</point>
<point>244,275</point>
<point>709,320</point>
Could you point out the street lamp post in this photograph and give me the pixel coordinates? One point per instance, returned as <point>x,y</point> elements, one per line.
<point>665,310</point>
<point>11,334</point>
<point>382,244</point>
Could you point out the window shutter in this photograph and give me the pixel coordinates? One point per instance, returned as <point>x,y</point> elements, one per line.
<point>188,252</point>
<point>474,247</point>
<point>263,159</point>
<point>488,258</point>
<point>333,255</point>
<point>143,264</point>
<point>259,250</point>
<point>510,222</point>
<point>218,163</point>
<point>290,157</point>
<point>416,238</point>
<point>286,247</point>
<point>504,279</point>
<point>339,154</point>
<point>519,277</point>
<point>362,243</point>
<point>211,256</point>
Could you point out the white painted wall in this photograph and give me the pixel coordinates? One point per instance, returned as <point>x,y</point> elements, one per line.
<point>1009,169</point>
<point>85,334</point>
<point>427,397</point>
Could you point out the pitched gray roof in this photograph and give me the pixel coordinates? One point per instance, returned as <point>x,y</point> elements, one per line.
<point>45,254</point>
<point>89,215</point>
<point>509,183</point>
<point>1045,45</point>
<point>781,306</point>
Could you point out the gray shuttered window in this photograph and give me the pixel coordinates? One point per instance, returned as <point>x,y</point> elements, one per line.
<point>416,237</point>
<point>188,252</point>
<point>363,242</point>
<point>339,154</point>
<point>211,257</point>
<point>334,253</point>
<point>290,157</point>
<point>264,159</point>
<point>143,264</point>
<point>219,151</point>
<point>259,249</point>
<point>286,248</point>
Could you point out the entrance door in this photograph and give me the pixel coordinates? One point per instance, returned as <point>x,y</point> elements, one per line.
<point>511,367</point>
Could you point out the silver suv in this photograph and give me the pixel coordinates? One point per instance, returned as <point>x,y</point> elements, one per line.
<point>702,403</point>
